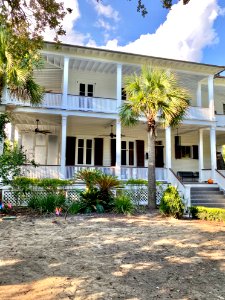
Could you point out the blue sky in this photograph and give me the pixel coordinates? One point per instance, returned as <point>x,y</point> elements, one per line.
<point>195,32</point>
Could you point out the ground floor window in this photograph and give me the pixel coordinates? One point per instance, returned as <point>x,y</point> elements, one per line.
<point>84,152</point>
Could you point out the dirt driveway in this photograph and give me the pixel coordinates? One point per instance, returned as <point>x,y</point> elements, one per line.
<point>109,257</point>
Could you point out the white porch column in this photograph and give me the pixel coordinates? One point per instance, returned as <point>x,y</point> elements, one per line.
<point>200,154</point>
<point>211,95</point>
<point>213,151</point>
<point>118,148</point>
<point>168,149</point>
<point>199,95</point>
<point>118,123</point>
<point>119,85</point>
<point>65,82</point>
<point>63,148</point>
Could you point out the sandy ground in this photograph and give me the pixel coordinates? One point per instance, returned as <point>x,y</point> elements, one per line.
<point>111,257</point>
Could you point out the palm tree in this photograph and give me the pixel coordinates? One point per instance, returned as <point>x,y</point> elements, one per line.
<point>16,72</point>
<point>156,96</point>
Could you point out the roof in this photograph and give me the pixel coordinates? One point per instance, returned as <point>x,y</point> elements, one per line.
<point>128,58</point>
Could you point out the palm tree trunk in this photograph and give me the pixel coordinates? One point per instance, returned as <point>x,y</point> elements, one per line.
<point>151,170</point>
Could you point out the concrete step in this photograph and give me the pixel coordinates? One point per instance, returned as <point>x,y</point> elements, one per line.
<point>217,205</point>
<point>204,189</point>
<point>207,192</point>
<point>208,200</point>
<point>219,196</point>
<point>208,196</point>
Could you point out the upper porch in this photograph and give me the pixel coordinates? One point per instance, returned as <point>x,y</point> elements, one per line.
<point>92,80</point>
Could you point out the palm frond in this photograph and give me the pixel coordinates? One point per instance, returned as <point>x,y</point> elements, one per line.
<point>128,116</point>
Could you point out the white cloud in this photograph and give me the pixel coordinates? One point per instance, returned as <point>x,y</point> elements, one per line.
<point>105,25</point>
<point>184,34</point>
<point>106,11</point>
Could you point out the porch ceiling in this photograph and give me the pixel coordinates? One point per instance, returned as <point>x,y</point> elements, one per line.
<point>26,122</point>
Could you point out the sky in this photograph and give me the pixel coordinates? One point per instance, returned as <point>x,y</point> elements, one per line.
<point>192,32</point>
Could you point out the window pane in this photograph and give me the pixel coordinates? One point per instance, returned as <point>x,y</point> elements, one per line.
<point>131,153</point>
<point>89,143</point>
<point>80,155</point>
<point>82,89</point>
<point>123,157</point>
<point>88,156</point>
<point>123,145</point>
<point>90,90</point>
<point>80,143</point>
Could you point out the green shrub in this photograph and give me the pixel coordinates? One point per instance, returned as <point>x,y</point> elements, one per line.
<point>74,207</point>
<point>207,213</point>
<point>47,203</point>
<point>88,176</point>
<point>171,203</point>
<point>90,201</point>
<point>123,204</point>
<point>137,181</point>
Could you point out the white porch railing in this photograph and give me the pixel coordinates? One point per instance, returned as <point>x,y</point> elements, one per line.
<point>199,113</point>
<point>220,178</point>
<point>41,171</point>
<point>91,104</point>
<point>81,103</point>
<point>71,170</point>
<point>184,190</point>
<point>220,120</point>
<point>53,171</point>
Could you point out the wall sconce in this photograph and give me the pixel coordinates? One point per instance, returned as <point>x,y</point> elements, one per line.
<point>146,155</point>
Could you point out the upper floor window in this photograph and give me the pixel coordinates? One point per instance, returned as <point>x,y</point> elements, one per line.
<point>86,90</point>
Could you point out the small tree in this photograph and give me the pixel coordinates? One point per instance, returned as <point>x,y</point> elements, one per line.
<point>11,160</point>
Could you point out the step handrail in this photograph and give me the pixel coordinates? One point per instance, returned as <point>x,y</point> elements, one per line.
<point>220,179</point>
<point>221,174</point>
<point>176,177</point>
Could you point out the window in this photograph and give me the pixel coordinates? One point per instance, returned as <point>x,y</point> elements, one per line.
<point>84,151</point>
<point>82,89</point>
<point>127,153</point>
<point>90,90</point>
<point>182,152</point>
<point>86,90</point>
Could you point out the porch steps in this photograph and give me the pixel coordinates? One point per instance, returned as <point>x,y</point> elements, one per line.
<point>207,196</point>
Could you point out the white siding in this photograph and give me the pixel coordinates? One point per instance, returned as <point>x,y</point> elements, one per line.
<point>104,84</point>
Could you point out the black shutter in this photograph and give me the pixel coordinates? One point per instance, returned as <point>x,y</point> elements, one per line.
<point>98,154</point>
<point>195,151</point>
<point>140,148</point>
<point>70,150</point>
<point>113,152</point>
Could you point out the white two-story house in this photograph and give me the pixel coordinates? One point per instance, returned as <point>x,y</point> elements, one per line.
<point>79,127</point>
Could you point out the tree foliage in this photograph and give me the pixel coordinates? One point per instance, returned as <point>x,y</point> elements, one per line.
<point>11,160</point>
<point>30,18</point>
<point>17,62</point>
